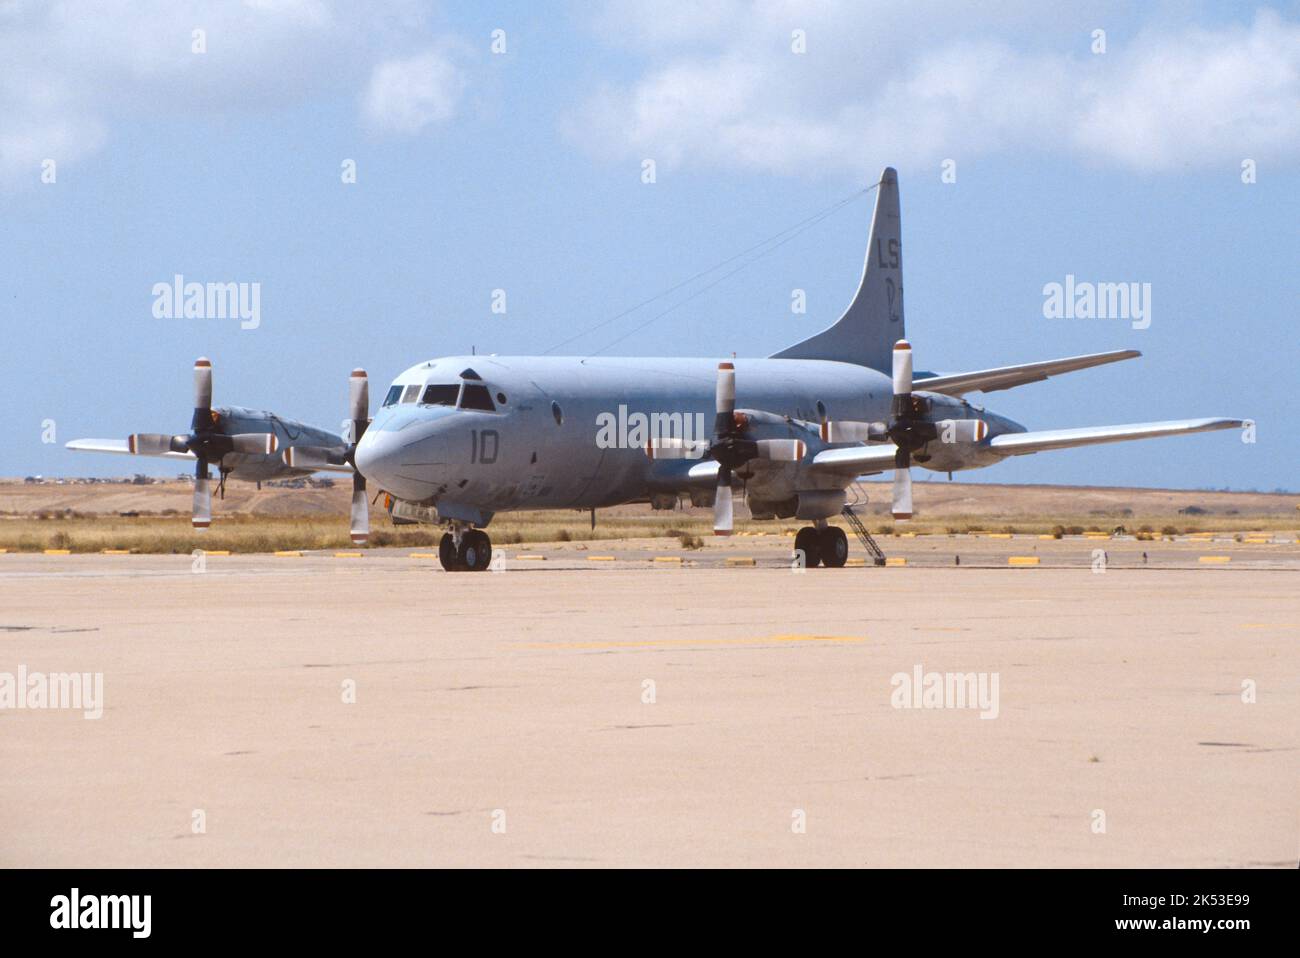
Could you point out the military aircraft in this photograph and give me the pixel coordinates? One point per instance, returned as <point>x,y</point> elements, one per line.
<point>460,439</point>
<point>248,444</point>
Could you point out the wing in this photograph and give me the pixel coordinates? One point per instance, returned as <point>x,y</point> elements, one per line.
<point>120,446</point>
<point>1004,377</point>
<point>1023,443</point>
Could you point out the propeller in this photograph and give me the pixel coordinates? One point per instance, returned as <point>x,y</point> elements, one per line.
<point>909,432</point>
<point>205,440</point>
<point>311,458</point>
<point>359,410</point>
<point>906,432</point>
<point>729,448</point>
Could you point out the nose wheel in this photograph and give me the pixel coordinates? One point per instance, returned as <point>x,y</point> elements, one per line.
<point>472,553</point>
<point>827,546</point>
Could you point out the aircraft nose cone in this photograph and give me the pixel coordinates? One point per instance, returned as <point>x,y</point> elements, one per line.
<point>375,457</point>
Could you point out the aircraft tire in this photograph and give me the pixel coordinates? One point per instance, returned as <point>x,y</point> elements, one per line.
<point>834,546</point>
<point>447,553</point>
<point>475,552</point>
<point>808,540</point>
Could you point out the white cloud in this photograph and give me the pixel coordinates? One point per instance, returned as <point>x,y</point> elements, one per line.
<point>409,94</point>
<point>879,86</point>
<point>69,70</point>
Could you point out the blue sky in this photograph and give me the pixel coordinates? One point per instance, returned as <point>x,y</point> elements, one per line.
<point>522,171</point>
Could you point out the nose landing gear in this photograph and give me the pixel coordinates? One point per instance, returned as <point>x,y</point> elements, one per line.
<point>465,549</point>
<point>822,544</point>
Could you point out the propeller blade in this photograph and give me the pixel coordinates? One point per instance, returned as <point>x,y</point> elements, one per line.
<point>152,444</point>
<point>359,403</point>
<point>726,399</point>
<point>961,430</point>
<point>671,447</point>
<point>902,507</point>
<point>849,431</point>
<point>722,504</point>
<point>360,512</point>
<point>255,443</point>
<point>902,368</point>
<point>781,450</point>
<point>201,516</point>
<point>313,457</point>
<point>359,410</point>
<point>202,395</point>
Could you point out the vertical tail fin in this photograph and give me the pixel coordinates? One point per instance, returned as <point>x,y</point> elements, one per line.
<point>867,331</point>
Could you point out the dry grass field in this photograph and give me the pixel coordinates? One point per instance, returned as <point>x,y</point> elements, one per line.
<point>155,518</point>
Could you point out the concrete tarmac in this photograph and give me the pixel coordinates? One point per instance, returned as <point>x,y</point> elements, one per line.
<point>344,711</point>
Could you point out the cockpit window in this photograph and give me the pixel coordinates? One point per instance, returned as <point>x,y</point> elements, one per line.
<point>439,394</point>
<point>412,391</point>
<point>393,393</point>
<point>476,396</point>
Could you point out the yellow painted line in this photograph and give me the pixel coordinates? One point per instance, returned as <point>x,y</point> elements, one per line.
<point>854,563</point>
<point>289,554</point>
<point>677,559</point>
<point>3,551</point>
<point>217,552</point>
<point>671,643</point>
<point>896,561</point>
<point>741,560</point>
<point>1022,560</point>
<point>1258,541</point>
<point>117,552</point>
<point>999,535</point>
<point>423,555</point>
<point>530,557</point>
<point>58,552</point>
<point>600,558</point>
<point>348,555</point>
<point>1208,559</point>
<point>907,535</point>
<point>1047,536</point>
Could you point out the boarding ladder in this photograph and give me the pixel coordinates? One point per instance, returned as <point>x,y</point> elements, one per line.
<point>877,557</point>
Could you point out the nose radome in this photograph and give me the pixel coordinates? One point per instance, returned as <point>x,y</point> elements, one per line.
<point>374,455</point>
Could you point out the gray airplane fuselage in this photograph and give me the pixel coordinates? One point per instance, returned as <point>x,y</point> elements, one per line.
<point>566,434</point>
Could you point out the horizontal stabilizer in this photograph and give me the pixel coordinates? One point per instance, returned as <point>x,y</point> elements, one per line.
<point>1022,443</point>
<point>1004,377</point>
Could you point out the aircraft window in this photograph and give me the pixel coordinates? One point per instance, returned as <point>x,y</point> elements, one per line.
<point>557,413</point>
<point>393,393</point>
<point>412,391</point>
<point>501,399</point>
<point>441,394</point>
<point>821,409</point>
<point>476,397</point>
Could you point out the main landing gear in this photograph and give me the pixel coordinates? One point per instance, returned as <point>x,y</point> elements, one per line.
<point>464,549</point>
<point>822,544</point>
